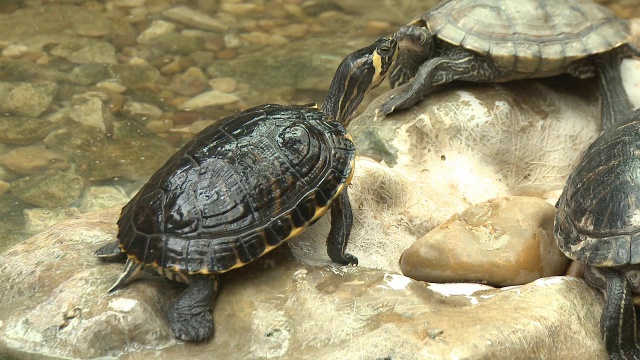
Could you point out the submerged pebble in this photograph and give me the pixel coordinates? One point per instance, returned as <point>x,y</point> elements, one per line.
<point>209,98</point>
<point>28,160</point>
<point>49,189</point>
<point>26,99</point>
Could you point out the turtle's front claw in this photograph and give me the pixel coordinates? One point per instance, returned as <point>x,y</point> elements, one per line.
<point>388,107</point>
<point>400,101</point>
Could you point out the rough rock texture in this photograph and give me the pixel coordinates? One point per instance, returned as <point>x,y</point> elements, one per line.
<point>26,99</point>
<point>458,148</point>
<point>504,241</point>
<point>55,303</point>
<point>28,160</point>
<point>51,188</point>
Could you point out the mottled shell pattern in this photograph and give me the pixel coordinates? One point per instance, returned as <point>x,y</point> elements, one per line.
<point>529,36</point>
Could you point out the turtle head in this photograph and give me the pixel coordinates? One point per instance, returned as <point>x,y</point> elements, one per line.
<point>360,72</point>
<point>416,46</point>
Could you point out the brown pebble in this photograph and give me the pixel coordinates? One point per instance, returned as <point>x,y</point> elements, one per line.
<point>159,126</point>
<point>4,187</point>
<point>171,68</point>
<point>227,54</point>
<point>214,43</point>
<point>278,12</point>
<point>376,28</point>
<point>256,37</point>
<point>295,31</point>
<point>224,84</point>
<point>317,28</point>
<point>191,82</point>
<point>278,40</point>
<point>241,9</point>
<point>199,125</point>
<point>268,24</point>
<point>116,101</point>
<point>294,10</point>
<point>380,25</point>
<point>186,117</point>
<point>43,60</point>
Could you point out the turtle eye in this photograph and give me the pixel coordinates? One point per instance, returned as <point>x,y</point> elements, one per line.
<point>384,50</point>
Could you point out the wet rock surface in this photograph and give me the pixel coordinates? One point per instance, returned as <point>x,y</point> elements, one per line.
<point>52,188</point>
<point>504,241</point>
<point>55,303</point>
<point>25,99</point>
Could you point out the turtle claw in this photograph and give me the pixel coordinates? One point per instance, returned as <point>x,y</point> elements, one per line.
<point>350,259</point>
<point>400,101</point>
<point>191,327</point>
<point>388,107</point>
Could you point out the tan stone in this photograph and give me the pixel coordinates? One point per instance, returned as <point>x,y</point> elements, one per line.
<point>504,241</point>
<point>55,303</point>
<point>29,160</point>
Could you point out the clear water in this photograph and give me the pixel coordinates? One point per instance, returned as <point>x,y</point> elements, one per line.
<point>96,95</point>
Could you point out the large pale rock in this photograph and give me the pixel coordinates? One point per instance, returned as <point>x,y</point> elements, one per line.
<point>504,241</point>
<point>55,303</point>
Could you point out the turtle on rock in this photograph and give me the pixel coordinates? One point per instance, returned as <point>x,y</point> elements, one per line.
<point>504,40</point>
<point>598,224</point>
<point>242,187</point>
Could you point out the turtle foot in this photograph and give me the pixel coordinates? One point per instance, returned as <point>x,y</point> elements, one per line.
<point>347,259</point>
<point>191,327</point>
<point>190,316</point>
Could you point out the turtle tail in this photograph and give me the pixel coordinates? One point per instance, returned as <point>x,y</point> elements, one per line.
<point>131,270</point>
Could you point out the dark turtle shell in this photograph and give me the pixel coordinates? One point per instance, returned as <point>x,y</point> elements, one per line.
<point>238,189</point>
<point>598,218</point>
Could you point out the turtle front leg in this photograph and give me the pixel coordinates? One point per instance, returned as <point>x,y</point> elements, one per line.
<point>614,102</point>
<point>341,222</point>
<point>618,321</point>
<point>190,316</point>
<point>453,64</point>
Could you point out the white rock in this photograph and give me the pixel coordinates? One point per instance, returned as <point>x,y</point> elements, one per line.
<point>209,98</point>
<point>157,29</point>
<point>89,113</point>
<point>194,18</point>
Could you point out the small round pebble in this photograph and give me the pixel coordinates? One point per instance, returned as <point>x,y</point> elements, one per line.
<point>224,84</point>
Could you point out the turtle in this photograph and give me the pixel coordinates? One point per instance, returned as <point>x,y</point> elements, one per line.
<point>504,40</point>
<point>598,224</point>
<point>243,186</point>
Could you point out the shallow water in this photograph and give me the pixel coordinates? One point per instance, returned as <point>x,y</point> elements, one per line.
<point>96,95</point>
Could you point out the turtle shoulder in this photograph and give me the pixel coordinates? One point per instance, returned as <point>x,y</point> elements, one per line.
<point>598,218</point>
<point>529,36</point>
<point>239,188</point>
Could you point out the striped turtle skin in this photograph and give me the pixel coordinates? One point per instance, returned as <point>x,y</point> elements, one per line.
<point>238,189</point>
<point>504,40</point>
<point>598,224</point>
